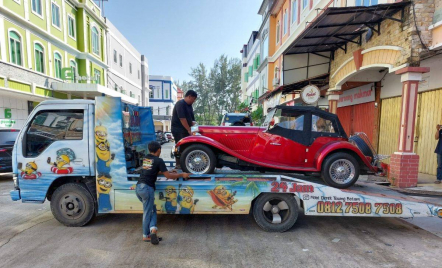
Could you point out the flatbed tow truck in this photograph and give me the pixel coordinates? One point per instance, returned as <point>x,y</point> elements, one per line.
<point>81,155</point>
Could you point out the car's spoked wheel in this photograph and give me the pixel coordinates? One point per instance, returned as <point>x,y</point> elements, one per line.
<point>197,162</point>
<point>275,211</point>
<point>342,171</point>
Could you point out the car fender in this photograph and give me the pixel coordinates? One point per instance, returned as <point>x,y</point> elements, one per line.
<point>210,142</point>
<point>339,146</point>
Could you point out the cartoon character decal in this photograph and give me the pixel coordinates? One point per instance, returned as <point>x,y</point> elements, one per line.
<point>186,201</point>
<point>103,159</point>
<point>170,206</point>
<point>62,163</point>
<point>30,172</point>
<point>222,198</point>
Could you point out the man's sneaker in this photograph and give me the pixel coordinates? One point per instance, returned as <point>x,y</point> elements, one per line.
<point>148,239</point>
<point>153,237</point>
<point>438,182</point>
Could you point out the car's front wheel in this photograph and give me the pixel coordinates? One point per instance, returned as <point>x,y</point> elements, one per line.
<point>198,159</point>
<point>340,170</point>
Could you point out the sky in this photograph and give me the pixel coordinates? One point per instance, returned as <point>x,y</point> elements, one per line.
<point>176,35</point>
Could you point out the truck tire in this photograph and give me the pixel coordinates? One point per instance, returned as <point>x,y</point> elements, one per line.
<point>198,159</point>
<point>340,170</point>
<point>275,212</point>
<point>362,145</point>
<point>73,205</point>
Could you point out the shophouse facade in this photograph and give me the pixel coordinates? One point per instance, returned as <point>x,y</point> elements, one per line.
<point>50,49</point>
<point>377,64</point>
<point>163,97</point>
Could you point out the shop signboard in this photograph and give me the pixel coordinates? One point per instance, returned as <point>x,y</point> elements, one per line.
<point>8,113</point>
<point>310,94</point>
<point>7,123</point>
<point>357,95</point>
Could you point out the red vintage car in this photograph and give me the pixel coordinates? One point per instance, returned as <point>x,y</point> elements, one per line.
<point>297,139</point>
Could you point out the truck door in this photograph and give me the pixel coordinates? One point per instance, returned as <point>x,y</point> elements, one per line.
<point>52,145</point>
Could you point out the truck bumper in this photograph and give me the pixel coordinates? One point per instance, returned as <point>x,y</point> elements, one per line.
<point>15,195</point>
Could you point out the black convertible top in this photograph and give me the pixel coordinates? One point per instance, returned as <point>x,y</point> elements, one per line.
<point>307,137</point>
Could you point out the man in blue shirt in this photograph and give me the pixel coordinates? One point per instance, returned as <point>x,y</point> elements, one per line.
<point>438,151</point>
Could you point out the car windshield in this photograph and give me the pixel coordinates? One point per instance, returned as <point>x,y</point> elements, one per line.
<point>269,117</point>
<point>232,118</point>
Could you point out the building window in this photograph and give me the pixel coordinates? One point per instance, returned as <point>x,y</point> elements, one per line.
<point>115,56</point>
<point>39,58</point>
<point>15,48</point>
<point>130,67</point>
<point>71,26</point>
<point>97,75</point>
<point>73,65</point>
<point>138,74</point>
<point>286,21</point>
<point>57,65</point>
<point>304,4</point>
<point>278,29</point>
<point>366,2</point>
<point>36,7</point>
<point>95,41</point>
<point>55,15</point>
<point>151,94</point>
<point>166,94</point>
<point>121,60</point>
<point>167,110</point>
<point>294,11</point>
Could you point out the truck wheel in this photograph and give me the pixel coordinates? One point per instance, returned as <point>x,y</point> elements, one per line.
<point>275,212</point>
<point>340,170</point>
<point>198,159</point>
<point>73,205</point>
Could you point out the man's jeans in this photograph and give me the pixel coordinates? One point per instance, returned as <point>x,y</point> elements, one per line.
<point>439,167</point>
<point>146,195</point>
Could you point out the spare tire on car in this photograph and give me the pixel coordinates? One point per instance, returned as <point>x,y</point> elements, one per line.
<point>362,145</point>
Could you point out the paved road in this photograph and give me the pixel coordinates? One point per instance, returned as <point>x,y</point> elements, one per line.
<point>31,237</point>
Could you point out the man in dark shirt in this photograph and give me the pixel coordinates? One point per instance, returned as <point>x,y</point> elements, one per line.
<point>183,118</point>
<point>438,151</point>
<point>145,189</point>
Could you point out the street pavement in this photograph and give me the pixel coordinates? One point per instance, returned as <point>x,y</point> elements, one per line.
<point>31,237</point>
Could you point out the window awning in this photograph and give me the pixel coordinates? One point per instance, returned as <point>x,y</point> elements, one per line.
<point>319,81</point>
<point>337,26</point>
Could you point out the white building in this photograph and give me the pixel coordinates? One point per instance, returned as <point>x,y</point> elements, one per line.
<point>128,69</point>
<point>162,99</point>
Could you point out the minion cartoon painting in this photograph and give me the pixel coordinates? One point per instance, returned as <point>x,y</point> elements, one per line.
<point>103,159</point>
<point>63,161</point>
<point>171,200</point>
<point>30,172</point>
<point>222,198</point>
<point>186,201</point>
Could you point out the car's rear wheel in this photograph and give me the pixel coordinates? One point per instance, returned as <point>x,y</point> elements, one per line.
<point>198,159</point>
<point>340,170</point>
<point>275,212</point>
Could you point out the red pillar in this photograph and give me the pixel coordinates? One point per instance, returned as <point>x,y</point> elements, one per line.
<point>333,98</point>
<point>404,163</point>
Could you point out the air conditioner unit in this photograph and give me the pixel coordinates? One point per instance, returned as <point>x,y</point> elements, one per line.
<point>276,81</point>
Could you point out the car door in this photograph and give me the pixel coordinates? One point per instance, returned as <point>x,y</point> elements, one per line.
<point>285,139</point>
<point>53,144</point>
